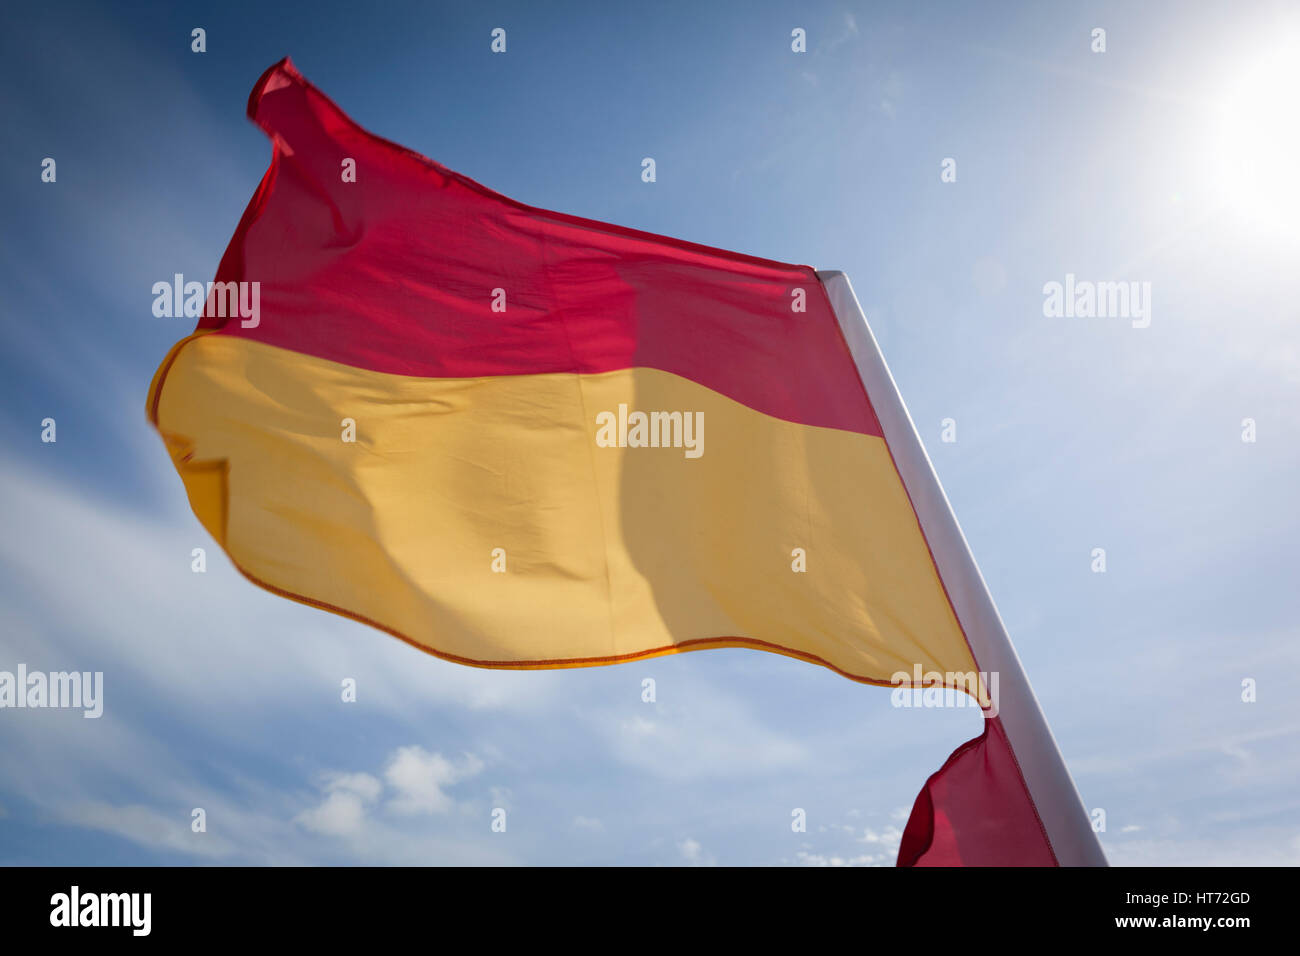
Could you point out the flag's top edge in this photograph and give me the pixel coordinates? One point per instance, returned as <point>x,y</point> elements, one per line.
<point>284,73</point>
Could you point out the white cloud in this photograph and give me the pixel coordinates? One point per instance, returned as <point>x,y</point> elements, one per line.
<point>690,849</point>
<point>416,780</point>
<point>889,837</point>
<point>343,810</point>
<point>341,814</point>
<point>862,859</point>
<point>882,846</point>
<point>419,778</point>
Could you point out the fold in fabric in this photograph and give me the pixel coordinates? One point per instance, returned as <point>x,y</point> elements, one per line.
<point>976,811</point>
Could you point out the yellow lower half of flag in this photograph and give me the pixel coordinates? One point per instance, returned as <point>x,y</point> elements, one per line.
<point>490,521</point>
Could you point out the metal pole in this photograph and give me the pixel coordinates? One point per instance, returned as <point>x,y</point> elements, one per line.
<point>1050,786</point>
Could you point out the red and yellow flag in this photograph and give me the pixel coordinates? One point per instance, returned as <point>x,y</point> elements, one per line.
<point>519,439</point>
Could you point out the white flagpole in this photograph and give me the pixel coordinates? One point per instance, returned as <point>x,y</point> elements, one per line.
<point>1050,786</point>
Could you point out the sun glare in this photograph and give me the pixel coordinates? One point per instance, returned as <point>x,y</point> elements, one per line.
<point>1256,145</point>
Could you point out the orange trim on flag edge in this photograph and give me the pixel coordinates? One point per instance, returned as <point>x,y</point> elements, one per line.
<point>183,462</point>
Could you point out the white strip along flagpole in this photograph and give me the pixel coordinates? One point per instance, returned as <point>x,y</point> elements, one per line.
<point>1051,788</point>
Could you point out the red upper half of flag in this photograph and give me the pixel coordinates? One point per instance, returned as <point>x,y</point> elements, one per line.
<point>397,272</point>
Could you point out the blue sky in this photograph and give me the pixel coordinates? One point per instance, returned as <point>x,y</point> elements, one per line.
<point>1072,433</point>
